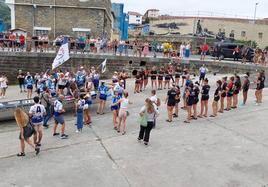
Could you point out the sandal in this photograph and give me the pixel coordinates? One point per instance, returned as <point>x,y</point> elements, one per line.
<point>212,116</point>
<point>124,133</point>
<point>20,154</point>
<point>186,121</point>
<point>169,121</point>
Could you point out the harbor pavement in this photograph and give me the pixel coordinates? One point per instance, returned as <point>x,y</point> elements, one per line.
<point>228,151</point>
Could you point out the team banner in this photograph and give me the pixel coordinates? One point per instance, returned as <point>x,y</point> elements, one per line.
<point>63,54</point>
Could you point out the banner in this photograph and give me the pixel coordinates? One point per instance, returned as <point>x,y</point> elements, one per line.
<point>63,54</point>
<point>103,66</point>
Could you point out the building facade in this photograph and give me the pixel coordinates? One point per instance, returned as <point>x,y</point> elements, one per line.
<point>62,17</point>
<point>135,18</point>
<point>151,14</point>
<point>242,29</point>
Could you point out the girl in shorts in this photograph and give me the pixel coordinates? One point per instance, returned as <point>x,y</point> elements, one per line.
<point>190,97</point>
<point>229,90</point>
<point>223,93</point>
<point>167,80</point>
<point>137,83</point>
<point>245,88</point>
<point>177,75</point>
<point>178,99</point>
<point>29,85</point>
<point>217,96</point>
<point>171,102</point>
<point>103,92</point>
<point>237,88</point>
<point>160,78</point>
<point>123,112</point>
<point>115,108</point>
<point>153,76</point>
<point>88,103</point>
<point>204,99</point>
<point>196,91</point>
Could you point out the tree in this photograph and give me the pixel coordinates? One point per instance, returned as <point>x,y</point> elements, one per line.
<point>5,14</point>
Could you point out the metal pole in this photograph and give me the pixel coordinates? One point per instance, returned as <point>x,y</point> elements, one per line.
<point>255,12</point>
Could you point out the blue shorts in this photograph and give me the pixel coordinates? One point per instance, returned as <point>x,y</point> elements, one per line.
<point>37,120</point>
<point>30,87</point>
<point>114,108</point>
<point>103,97</point>
<point>59,119</point>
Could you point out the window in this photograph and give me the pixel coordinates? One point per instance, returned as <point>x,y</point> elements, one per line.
<point>243,33</point>
<point>260,35</point>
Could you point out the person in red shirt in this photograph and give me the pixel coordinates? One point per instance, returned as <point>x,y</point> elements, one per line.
<point>22,42</point>
<point>230,93</point>
<point>236,53</point>
<point>12,39</point>
<point>204,50</point>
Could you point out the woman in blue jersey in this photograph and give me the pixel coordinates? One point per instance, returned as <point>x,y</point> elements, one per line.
<point>115,108</point>
<point>103,92</point>
<point>80,113</point>
<point>29,84</point>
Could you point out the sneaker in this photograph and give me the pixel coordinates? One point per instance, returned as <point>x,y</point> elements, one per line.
<point>37,150</point>
<point>56,134</point>
<point>21,154</point>
<point>146,143</point>
<point>64,136</point>
<point>77,131</point>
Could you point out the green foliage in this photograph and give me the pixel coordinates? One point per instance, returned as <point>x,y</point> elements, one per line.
<point>250,43</point>
<point>5,14</point>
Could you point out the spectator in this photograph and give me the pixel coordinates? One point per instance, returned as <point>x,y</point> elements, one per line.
<point>204,51</point>
<point>236,53</point>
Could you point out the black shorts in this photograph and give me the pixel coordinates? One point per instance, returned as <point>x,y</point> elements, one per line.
<point>137,82</point>
<point>223,95</point>
<point>217,98</point>
<point>196,100</point>
<point>153,77</point>
<point>160,78</point>
<point>61,87</point>
<point>177,76</point>
<point>190,102</point>
<point>171,103</point>
<point>183,77</point>
<point>202,76</point>
<point>178,101</point>
<point>230,94</point>
<point>236,92</point>
<point>205,98</point>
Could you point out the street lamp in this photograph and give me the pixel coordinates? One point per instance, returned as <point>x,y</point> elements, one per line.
<point>255,12</point>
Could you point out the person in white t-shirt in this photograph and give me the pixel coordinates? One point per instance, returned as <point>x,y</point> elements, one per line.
<point>37,113</point>
<point>3,86</point>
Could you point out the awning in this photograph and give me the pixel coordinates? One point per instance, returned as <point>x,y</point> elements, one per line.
<point>42,28</point>
<point>81,30</point>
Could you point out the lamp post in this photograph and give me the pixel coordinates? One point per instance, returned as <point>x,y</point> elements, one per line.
<point>255,12</point>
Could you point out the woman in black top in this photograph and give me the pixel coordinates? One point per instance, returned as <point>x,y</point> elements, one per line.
<point>167,80</point>
<point>196,99</point>
<point>178,99</point>
<point>217,96</point>
<point>142,76</point>
<point>146,76</point>
<point>204,99</point>
<point>177,75</point>
<point>160,78</point>
<point>260,85</point>
<point>223,93</point>
<point>171,102</point>
<point>245,89</point>
<point>237,88</point>
<point>190,98</point>
<point>153,75</point>
<point>137,83</point>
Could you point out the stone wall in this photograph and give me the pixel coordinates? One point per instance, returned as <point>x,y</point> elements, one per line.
<point>68,15</point>
<point>10,63</point>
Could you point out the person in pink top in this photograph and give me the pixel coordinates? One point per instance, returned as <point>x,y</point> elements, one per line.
<point>146,49</point>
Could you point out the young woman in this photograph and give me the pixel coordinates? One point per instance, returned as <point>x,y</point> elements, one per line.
<point>217,96</point>
<point>204,99</point>
<point>123,112</point>
<point>184,75</point>
<point>88,103</point>
<point>189,96</point>
<point>177,75</point>
<point>26,131</point>
<point>145,76</point>
<point>178,99</point>
<point>196,100</point>
<point>115,108</point>
<point>153,75</point>
<point>149,112</point>
<point>245,88</point>
<point>260,85</point>
<point>171,102</point>
<point>29,85</point>
<point>80,113</point>
<point>137,83</point>
<point>167,80</point>
<point>3,86</point>
<point>145,49</point>
<point>237,88</point>
<point>229,90</point>
<point>141,73</point>
<point>103,92</point>
<point>223,93</point>
<point>160,78</point>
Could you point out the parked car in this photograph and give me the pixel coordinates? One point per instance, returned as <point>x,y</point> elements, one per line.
<point>227,51</point>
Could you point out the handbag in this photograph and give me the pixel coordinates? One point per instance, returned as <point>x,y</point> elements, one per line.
<point>29,130</point>
<point>142,121</point>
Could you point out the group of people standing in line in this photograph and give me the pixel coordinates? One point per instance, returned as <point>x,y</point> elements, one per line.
<point>82,86</point>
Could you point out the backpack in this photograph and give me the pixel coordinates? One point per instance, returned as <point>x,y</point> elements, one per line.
<point>158,102</point>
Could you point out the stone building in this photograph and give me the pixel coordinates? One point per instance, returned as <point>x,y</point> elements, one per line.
<point>57,17</point>
<point>241,29</point>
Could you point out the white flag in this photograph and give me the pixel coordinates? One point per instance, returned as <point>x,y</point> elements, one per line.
<point>63,54</point>
<point>103,66</point>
